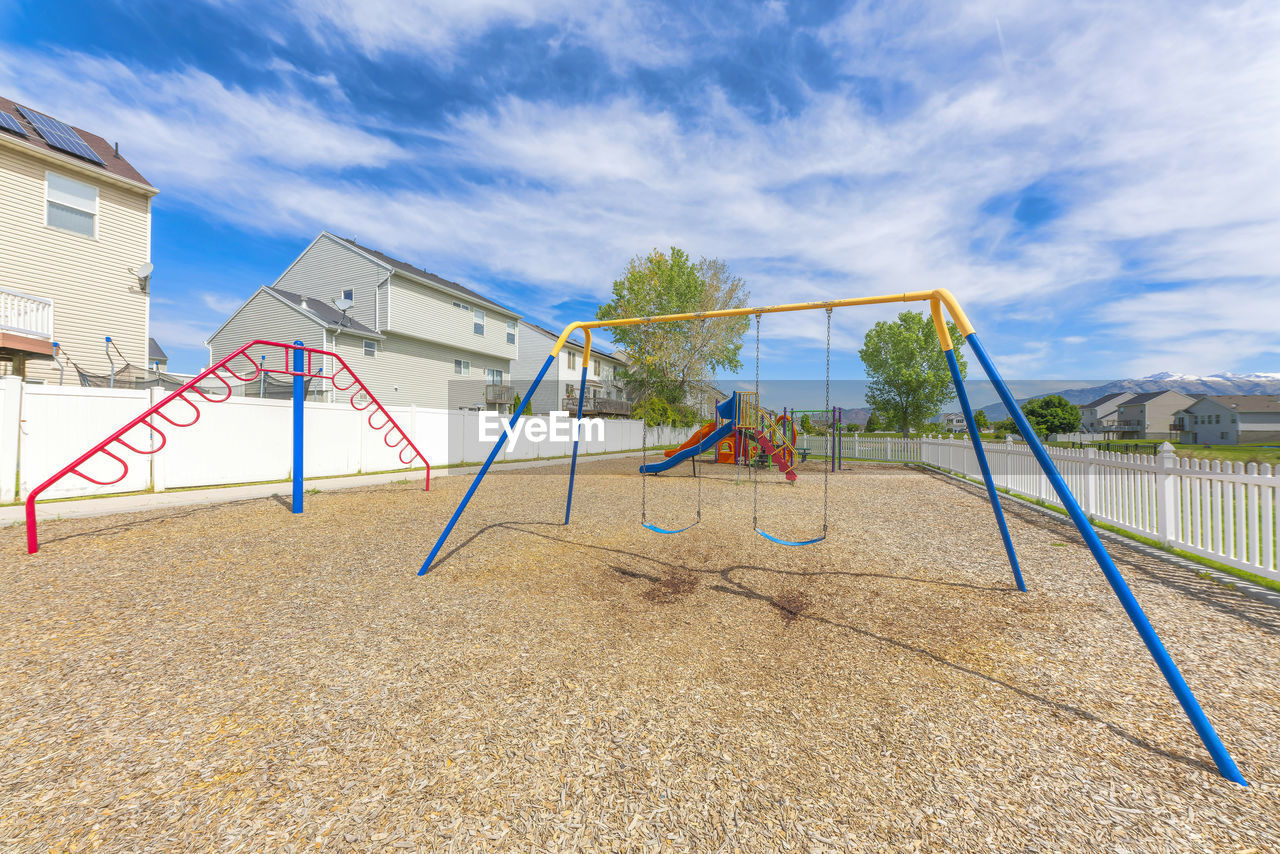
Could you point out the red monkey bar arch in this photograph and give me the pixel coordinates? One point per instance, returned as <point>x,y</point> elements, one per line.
<point>343,379</point>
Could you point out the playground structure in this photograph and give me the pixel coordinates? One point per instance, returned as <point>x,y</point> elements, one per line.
<point>938,300</point>
<point>292,360</point>
<point>740,433</point>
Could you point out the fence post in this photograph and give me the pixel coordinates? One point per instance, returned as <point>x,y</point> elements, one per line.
<point>11,393</point>
<point>1090,486</point>
<point>155,395</point>
<point>1166,494</point>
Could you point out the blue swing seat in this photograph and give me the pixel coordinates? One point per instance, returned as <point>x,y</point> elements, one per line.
<point>780,542</point>
<point>658,530</point>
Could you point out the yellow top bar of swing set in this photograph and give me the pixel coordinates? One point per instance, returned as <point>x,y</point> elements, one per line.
<point>938,297</point>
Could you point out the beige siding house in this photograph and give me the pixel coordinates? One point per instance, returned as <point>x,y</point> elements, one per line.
<point>1150,415</point>
<point>558,391</point>
<point>72,232</point>
<point>412,337</point>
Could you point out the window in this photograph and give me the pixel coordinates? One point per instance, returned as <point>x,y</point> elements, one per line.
<point>349,294</point>
<point>572,358</point>
<point>370,347</point>
<point>461,305</point>
<point>494,376</point>
<point>478,326</point>
<point>1217,419</point>
<point>462,367</point>
<point>1222,435</point>
<point>511,332</point>
<point>595,367</point>
<point>71,205</point>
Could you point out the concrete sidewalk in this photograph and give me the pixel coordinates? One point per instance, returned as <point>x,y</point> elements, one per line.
<point>107,505</point>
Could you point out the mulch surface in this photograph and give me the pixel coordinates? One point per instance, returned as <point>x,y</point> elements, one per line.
<point>237,678</point>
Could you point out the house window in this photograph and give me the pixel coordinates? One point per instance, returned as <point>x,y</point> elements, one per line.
<point>1217,419</point>
<point>1222,435</point>
<point>595,367</point>
<point>370,347</point>
<point>511,332</point>
<point>462,367</point>
<point>478,326</point>
<point>71,205</point>
<point>461,305</point>
<point>572,358</point>
<point>349,294</point>
<point>494,375</point>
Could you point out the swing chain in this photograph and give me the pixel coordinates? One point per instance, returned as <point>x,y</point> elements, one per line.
<point>830,427</point>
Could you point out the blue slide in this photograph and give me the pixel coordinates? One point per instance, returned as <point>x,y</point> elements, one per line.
<point>726,409</point>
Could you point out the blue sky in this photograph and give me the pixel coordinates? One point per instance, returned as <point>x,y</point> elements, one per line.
<point>1099,183</point>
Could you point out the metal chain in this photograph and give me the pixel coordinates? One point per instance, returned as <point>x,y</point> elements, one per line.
<point>755,484</point>
<point>831,414</point>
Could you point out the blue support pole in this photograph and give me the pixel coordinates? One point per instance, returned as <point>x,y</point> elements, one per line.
<point>573,462</point>
<point>992,494</point>
<point>299,393</point>
<point>1190,705</point>
<point>484,469</point>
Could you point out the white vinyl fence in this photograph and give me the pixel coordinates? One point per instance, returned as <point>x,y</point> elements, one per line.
<point>242,440</point>
<point>1227,511</point>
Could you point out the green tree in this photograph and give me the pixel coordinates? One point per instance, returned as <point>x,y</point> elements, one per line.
<point>806,425</point>
<point>515,405</point>
<point>981,420</point>
<point>1005,425</point>
<point>1052,414</point>
<point>654,411</point>
<point>907,370</point>
<point>672,360</point>
<point>851,427</point>
<point>873,423</point>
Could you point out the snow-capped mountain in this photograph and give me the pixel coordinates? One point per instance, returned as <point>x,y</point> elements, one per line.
<point>1214,384</point>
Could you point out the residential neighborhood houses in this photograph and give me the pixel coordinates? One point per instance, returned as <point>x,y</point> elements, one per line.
<point>604,393</point>
<point>1230,420</point>
<point>75,231</point>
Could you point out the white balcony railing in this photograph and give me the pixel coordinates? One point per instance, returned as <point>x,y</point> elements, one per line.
<point>25,314</point>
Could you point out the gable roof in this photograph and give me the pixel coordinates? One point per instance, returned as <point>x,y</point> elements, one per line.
<point>324,312</point>
<point>418,273</point>
<point>155,353</point>
<point>1148,396</point>
<point>115,164</point>
<point>1106,398</point>
<point>1245,402</point>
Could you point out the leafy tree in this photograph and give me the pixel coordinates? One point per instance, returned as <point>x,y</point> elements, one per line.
<point>981,420</point>
<point>515,405</point>
<point>683,415</point>
<point>907,369</point>
<point>873,423</point>
<point>1052,414</point>
<point>806,425</point>
<point>851,427</point>
<point>673,360</point>
<point>654,411</point>
<point>1005,425</point>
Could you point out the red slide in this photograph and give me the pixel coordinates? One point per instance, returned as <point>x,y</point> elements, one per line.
<point>779,458</point>
<point>701,433</point>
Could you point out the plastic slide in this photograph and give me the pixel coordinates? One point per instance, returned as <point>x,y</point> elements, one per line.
<point>700,434</point>
<point>709,441</point>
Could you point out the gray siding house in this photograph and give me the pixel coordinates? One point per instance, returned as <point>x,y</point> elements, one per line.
<point>1241,419</point>
<point>411,336</point>
<point>1099,416</point>
<point>1149,416</point>
<point>559,388</point>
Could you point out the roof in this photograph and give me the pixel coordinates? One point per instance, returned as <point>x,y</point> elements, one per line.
<point>418,273</point>
<point>324,312</point>
<point>1149,396</point>
<point>555,336</point>
<point>1106,398</point>
<point>155,353</point>
<point>116,164</point>
<point>1246,402</point>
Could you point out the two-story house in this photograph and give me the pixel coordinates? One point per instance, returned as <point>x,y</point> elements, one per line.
<point>559,389</point>
<point>411,336</point>
<point>1099,416</point>
<point>75,250</point>
<point>1238,419</point>
<point>1149,415</point>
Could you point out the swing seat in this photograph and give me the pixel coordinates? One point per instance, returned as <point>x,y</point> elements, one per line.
<point>782,542</point>
<point>658,530</point>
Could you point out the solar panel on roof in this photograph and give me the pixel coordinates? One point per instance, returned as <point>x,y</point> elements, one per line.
<point>60,136</point>
<point>9,123</point>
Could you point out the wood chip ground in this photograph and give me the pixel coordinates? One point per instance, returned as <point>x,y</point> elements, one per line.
<point>237,678</point>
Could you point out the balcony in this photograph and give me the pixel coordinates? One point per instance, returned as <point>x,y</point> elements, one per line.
<point>597,406</point>
<point>499,394</point>
<point>26,323</point>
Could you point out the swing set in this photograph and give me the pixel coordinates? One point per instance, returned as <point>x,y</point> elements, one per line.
<point>747,417</point>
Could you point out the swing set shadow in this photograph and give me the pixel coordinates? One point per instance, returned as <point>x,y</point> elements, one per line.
<point>937,299</point>
<point>792,611</point>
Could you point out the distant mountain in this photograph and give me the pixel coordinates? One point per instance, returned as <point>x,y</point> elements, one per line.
<point>1214,384</point>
